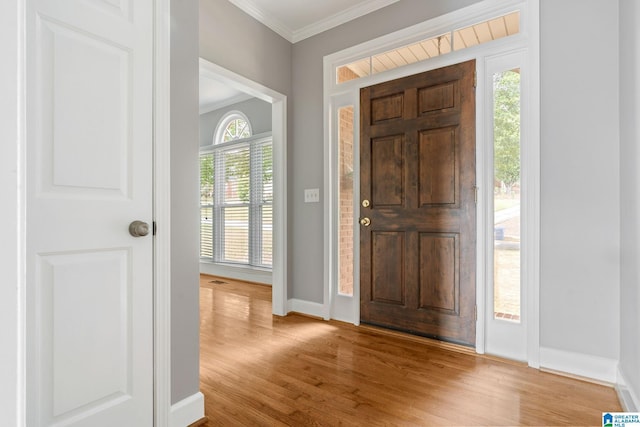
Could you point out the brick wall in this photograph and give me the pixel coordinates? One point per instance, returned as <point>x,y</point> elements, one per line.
<point>345,235</point>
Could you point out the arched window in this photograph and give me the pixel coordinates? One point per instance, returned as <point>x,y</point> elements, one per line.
<point>236,195</point>
<point>233,125</point>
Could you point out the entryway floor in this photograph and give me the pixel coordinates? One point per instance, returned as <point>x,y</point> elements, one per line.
<point>260,369</point>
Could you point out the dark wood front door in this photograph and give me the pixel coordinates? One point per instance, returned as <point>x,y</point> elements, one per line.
<point>417,163</point>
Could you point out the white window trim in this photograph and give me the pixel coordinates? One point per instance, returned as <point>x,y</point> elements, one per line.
<point>508,339</point>
<point>250,143</point>
<point>335,94</point>
<point>224,122</point>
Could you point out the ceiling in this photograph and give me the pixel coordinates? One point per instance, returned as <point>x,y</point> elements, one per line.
<point>296,20</point>
<point>215,94</point>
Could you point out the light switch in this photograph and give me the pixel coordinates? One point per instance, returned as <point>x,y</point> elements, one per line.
<point>312,195</point>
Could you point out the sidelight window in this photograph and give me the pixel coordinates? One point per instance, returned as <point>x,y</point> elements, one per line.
<point>345,208</point>
<point>506,195</point>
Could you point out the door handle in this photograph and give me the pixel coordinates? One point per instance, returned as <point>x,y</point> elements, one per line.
<point>365,221</point>
<point>138,228</point>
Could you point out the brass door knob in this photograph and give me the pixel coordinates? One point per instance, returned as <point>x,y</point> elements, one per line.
<point>365,221</point>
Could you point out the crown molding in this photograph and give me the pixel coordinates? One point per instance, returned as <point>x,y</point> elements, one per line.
<point>340,18</point>
<point>248,7</point>
<point>311,30</point>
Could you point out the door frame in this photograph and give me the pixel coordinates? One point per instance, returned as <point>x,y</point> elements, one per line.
<point>278,103</point>
<point>162,212</point>
<point>12,214</point>
<point>348,93</point>
<point>12,227</point>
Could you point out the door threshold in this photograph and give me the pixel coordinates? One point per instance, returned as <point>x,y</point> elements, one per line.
<point>458,348</point>
<point>421,339</point>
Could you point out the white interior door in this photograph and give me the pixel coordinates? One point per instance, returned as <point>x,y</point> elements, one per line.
<point>89,169</point>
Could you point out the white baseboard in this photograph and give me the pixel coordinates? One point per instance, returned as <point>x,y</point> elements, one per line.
<point>187,411</point>
<point>583,365</point>
<point>628,397</point>
<point>247,274</point>
<point>305,307</point>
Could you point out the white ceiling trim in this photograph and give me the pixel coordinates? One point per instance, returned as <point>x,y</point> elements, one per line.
<point>340,18</point>
<point>270,21</point>
<point>296,35</point>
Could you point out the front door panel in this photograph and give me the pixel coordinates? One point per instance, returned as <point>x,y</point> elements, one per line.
<point>417,161</point>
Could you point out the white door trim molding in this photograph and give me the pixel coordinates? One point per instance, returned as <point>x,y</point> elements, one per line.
<point>12,231</point>
<point>162,212</point>
<point>532,208</point>
<point>278,102</point>
<point>528,39</point>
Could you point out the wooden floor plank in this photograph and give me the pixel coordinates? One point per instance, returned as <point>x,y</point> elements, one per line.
<point>258,369</point>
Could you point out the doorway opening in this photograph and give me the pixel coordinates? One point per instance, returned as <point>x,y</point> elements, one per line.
<point>243,218</point>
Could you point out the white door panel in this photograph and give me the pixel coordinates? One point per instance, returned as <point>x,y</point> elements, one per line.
<point>89,159</point>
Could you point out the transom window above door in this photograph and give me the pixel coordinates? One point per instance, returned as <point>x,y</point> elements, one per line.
<point>495,28</point>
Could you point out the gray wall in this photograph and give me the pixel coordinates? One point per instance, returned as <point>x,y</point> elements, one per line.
<point>630,188</point>
<point>265,58</point>
<point>233,40</point>
<point>580,209</point>
<point>580,159</point>
<point>580,156</point>
<point>257,111</point>
<point>306,231</point>
<point>185,233</point>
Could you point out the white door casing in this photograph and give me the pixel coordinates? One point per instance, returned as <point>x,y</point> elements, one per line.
<point>89,283</point>
<point>337,94</point>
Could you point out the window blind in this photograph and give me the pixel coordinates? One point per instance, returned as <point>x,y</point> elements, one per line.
<point>237,202</point>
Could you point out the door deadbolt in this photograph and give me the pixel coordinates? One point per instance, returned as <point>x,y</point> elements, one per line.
<point>366,203</point>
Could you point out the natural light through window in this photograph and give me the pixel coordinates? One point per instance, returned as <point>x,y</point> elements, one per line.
<point>506,202</point>
<point>236,196</point>
<point>236,129</point>
<point>483,32</point>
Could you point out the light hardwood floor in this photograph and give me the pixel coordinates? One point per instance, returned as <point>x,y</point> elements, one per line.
<point>258,369</point>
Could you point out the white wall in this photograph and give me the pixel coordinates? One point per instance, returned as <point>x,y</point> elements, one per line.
<point>9,185</point>
<point>185,220</point>
<point>257,111</point>
<point>580,196</point>
<point>630,199</point>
